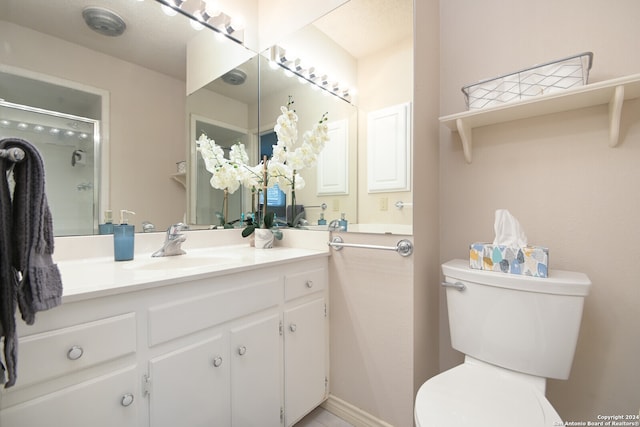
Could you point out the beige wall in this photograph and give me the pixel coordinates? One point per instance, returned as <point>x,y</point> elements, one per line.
<point>385,79</point>
<point>384,308</point>
<point>371,328</point>
<point>556,174</point>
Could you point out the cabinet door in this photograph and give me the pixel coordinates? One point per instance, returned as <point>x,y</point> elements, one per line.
<point>106,401</point>
<point>256,373</point>
<point>304,358</point>
<point>190,386</point>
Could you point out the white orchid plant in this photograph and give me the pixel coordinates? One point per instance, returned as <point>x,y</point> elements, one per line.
<point>288,159</point>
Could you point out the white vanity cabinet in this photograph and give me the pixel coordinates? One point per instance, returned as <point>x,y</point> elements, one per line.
<point>305,342</point>
<point>83,373</point>
<point>224,367</point>
<point>256,373</point>
<point>190,385</point>
<point>241,349</point>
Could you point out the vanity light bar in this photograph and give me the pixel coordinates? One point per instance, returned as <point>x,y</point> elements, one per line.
<point>278,57</point>
<point>38,128</point>
<point>204,14</point>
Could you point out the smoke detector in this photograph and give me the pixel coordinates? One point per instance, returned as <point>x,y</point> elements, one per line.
<point>104,21</point>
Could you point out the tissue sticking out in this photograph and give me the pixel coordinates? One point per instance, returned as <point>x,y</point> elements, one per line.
<point>509,252</point>
<point>508,230</point>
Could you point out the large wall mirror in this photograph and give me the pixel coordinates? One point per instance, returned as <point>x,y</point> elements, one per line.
<point>146,122</point>
<point>375,62</point>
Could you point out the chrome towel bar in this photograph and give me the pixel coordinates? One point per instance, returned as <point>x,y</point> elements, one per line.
<point>404,246</point>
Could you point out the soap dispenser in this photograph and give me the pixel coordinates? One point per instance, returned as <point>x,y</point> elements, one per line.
<point>107,226</point>
<point>322,221</point>
<point>123,238</point>
<point>343,222</point>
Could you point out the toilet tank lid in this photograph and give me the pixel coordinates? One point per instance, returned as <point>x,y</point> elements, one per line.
<point>559,282</point>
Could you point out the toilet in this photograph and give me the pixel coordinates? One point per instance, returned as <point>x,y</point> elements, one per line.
<point>515,332</point>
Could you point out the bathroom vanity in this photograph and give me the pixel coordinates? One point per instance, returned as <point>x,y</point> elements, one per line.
<point>225,336</point>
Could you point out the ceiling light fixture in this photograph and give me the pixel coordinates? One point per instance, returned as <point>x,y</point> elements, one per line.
<point>207,14</point>
<point>295,67</point>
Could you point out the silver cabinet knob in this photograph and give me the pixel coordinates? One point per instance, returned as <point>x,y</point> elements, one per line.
<point>309,283</point>
<point>217,361</point>
<point>293,327</point>
<point>127,399</point>
<point>242,350</point>
<point>75,353</point>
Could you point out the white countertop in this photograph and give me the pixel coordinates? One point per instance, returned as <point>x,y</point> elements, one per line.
<point>99,276</point>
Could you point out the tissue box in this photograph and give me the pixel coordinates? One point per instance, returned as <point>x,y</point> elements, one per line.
<point>528,260</point>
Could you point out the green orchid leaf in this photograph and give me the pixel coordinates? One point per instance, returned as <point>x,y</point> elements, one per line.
<point>248,230</point>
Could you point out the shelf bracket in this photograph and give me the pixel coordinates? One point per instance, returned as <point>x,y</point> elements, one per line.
<point>466,137</point>
<point>615,112</point>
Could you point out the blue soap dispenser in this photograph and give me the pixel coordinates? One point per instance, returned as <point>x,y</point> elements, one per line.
<point>343,222</point>
<point>123,238</point>
<point>107,226</point>
<point>322,221</point>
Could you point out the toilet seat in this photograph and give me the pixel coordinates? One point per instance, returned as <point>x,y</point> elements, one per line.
<point>482,395</point>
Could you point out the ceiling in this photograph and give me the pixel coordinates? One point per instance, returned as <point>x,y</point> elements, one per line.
<point>388,22</point>
<point>165,51</point>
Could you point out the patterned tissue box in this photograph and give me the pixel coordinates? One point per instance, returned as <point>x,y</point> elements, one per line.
<point>528,260</point>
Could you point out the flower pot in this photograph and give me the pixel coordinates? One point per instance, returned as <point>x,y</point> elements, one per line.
<point>263,238</point>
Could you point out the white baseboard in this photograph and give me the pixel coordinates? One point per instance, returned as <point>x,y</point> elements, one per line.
<point>352,414</point>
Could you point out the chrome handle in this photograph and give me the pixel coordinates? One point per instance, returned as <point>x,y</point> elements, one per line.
<point>293,327</point>
<point>75,353</point>
<point>458,285</point>
<point>127,399</point>
<point>242,350</point>
<point>309,283</point>
<point>217,361</point>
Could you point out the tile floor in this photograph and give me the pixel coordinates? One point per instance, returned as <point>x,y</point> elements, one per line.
<point>320,417</point>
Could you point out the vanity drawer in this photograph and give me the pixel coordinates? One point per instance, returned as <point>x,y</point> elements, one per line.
<point>305,283</point>
<point>183,317</point>
<point>54,353</point>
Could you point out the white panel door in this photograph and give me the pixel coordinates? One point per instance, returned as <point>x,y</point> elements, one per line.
<point>333,161</point>
<point>106,401</point>
<point>305,359</point>
<point>389,149</point>
<point>256,372</point>
<point>190,386</point>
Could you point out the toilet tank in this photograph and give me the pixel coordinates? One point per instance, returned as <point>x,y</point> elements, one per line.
<point>523,323</point>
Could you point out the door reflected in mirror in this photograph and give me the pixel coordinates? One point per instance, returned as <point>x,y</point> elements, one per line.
<point>210,207</point>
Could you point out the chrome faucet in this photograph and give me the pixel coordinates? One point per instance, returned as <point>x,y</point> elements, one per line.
<point>172,241</point>
<point>335,225</point>
<point>148,227</point>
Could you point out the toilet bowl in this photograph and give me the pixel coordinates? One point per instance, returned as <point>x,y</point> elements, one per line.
<point>481,395</point>
<point>515,332</point>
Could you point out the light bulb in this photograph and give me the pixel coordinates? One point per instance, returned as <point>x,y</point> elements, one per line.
<point>196,25</point>
<point>237,23</point>
<point>211,8</point>
<point>22,126</point>
<point>169,11</point>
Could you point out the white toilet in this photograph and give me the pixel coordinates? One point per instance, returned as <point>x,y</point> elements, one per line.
<point>515,332</point>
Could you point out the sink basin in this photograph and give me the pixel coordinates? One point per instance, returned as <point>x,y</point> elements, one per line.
<point>181,262</point>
